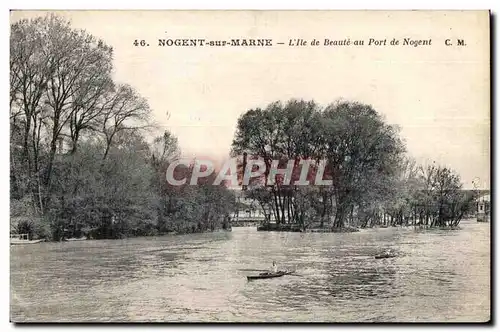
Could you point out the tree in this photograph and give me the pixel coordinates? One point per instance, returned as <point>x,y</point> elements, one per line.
<point>51,67</point>
<point>89,102</point>
<point>30,69</point>
<point>165,148</point>
<point>127,111</point>
<point>80,62</point>
<point>285,132</point>
<point>450,201</point>
<point>104,186</point>
<point>363,154</point>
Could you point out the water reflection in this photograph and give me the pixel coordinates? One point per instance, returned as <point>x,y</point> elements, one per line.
<point>203,277</point>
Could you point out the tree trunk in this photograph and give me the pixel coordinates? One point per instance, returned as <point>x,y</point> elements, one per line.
<point>74,142</point>
<point>339,217</point>
<point>276,210</point>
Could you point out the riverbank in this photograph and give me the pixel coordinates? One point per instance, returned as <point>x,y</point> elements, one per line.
<point>87,237</point>
<point>246,223</point>
<point>273,227</point>
<point>346,229</point>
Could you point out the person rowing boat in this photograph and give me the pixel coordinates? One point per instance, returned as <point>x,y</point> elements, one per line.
<point>389,253</point>
<point>272,270</point>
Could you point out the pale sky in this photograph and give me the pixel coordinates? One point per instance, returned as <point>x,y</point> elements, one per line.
<point>439,95</point>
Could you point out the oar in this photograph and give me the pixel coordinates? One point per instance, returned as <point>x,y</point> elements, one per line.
<point>293,273</point>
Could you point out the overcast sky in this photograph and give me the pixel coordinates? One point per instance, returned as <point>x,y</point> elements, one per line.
<point>438,95</point>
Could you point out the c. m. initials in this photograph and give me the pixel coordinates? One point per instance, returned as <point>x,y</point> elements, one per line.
<point>460,42</point>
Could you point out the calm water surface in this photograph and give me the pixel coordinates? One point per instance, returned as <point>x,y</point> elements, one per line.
<point>438,276</point>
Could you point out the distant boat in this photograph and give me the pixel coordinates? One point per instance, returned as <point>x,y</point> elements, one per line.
<point>387,254</point>
<point>267,275</point>
<point>16,239</point>
<point>83,238</point>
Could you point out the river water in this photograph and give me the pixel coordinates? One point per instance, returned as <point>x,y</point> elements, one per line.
<point>437,276</point>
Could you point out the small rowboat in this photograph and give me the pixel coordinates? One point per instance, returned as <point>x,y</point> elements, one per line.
<point>267,275</point>
<point>16,239</point>
<point>19,242</point>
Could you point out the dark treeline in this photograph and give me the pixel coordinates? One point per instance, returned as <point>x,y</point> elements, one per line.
<point>80,161</point>
<point>373,180</point>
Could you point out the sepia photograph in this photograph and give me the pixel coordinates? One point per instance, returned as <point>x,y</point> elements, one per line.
<point>250,166</point>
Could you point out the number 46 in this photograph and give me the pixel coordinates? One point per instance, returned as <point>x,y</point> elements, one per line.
<point>140,43</point>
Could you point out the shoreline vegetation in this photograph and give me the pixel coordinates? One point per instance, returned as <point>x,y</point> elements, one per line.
<point>347,229</point>
<point>87,157</point>
<point>369,180</point>
<point>88,160</point>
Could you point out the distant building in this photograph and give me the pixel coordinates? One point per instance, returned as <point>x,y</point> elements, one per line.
<point>483,208</point>
<point>247,209</point>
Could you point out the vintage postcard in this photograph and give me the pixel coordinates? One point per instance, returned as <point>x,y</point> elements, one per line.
<point>250,166</point>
